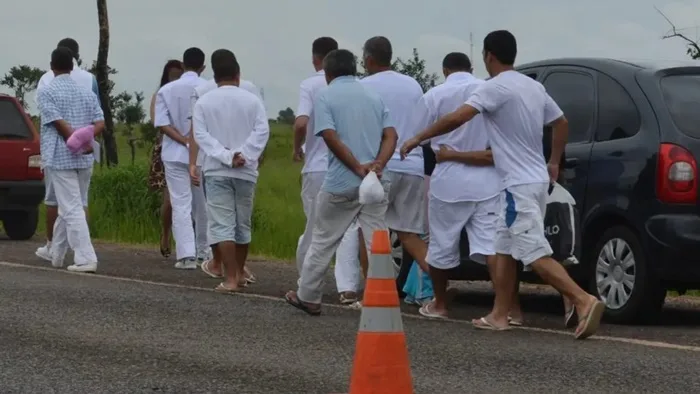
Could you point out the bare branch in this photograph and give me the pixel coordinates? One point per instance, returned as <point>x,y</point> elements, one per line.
<point>693,46</point>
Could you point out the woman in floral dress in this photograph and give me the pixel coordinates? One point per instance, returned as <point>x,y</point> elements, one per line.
<point>156,179</point>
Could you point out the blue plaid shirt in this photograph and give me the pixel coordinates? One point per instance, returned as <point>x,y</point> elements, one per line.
<point>63,99</point>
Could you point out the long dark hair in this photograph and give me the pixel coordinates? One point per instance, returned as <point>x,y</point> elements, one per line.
<point>166,70</point>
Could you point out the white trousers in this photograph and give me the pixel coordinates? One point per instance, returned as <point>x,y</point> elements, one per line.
<point>347,264</point>
<point>71,228</point>
<point>334,216</point>
<point>188,203</point>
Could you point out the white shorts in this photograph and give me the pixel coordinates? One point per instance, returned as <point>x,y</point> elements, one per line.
<point>521,223</point>
<point>50,195</point>
<point>446,221</point>
<point>406,210</point>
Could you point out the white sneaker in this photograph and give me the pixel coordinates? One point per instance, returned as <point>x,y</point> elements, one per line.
<point>44,252</point>
<point>186,264</point>
<point>91,268</point>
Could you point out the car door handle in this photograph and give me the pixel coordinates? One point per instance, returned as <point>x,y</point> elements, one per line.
<point>570,162</point>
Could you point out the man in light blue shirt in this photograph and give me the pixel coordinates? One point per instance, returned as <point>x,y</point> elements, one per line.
<point>65,106</point>
<point>355,125</point>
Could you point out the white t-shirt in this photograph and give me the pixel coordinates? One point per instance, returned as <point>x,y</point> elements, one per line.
<point>518,108</point>
<point>208,86</point>
<point>80,76</point>
<point>173,108</point>
<point>452,181</point>
<point>315,149</point>
<point>228,120</point>
<point>400,94</point>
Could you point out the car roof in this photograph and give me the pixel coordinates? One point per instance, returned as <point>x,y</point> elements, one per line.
<point>613,65</point>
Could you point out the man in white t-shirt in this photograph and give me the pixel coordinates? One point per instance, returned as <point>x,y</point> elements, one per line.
<point>312,150</point>
<point>464,186</point>
<point>174,119</point>
<point>88,81</point>
<point>230,125</point>
<point>400,93</point>
<point>212,265</point>
<point>517,108</point>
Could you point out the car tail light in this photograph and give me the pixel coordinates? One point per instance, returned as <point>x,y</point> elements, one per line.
<point>34,167</point>
<point>677,175</point>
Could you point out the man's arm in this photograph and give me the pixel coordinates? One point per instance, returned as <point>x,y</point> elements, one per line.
<point>210,145</point>
<point>341,151</point>
<point>554,117</point>
<point>300,125</point>
<point>324,126</point>
<point>98,118</point>
<point>482,158</point>
<point>255,144</point>
<point>448,123</point>
<point>162,121</point>
<point>96,89</point>
<point>49,114</point>
<point>304,110</point>
<point>389,140</point>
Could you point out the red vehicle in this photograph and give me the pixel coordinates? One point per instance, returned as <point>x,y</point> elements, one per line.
<point>21,179</point>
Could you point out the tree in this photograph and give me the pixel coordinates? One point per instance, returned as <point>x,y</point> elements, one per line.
<point>102,71</point>
<point>131,113</point>
<point>22,80</point>
<point>414,67</point>
<point>693,48</point>
<point>286,116</point>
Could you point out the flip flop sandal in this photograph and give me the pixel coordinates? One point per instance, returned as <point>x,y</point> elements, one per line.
<point>426,310</point>
<point>569,317</point>
<point>484,324</point>
<point>249,277</point>
<point>295,302</point>
<point>515,322</point>
<point>221,288</point>
<point>206,270</point>
<point>591,321</point>
<point>347,300</point>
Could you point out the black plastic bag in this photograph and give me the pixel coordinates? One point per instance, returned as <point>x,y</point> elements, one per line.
<point>562,226</point>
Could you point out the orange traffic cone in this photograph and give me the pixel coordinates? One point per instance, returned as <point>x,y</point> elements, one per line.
<point>381,364</point>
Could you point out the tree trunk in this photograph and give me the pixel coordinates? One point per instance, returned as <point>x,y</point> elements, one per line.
<point>102,76</point>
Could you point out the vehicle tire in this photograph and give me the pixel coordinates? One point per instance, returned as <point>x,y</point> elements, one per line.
<point>622,278</point>
<point>20,225</point>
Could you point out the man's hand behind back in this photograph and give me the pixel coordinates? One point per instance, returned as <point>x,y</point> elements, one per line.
<point>238,160</point>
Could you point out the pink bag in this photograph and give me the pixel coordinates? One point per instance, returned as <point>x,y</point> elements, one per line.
<point>81,139</point>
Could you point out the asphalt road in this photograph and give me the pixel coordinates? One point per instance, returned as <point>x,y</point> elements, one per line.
<point>140,326</point>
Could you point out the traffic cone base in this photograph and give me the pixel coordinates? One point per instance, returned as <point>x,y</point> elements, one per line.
<point>381,364</point>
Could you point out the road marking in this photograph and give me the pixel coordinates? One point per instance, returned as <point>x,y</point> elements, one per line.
<point>632,341</point>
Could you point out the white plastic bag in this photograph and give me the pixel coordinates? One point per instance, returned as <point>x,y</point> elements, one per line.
<point>371,190</point>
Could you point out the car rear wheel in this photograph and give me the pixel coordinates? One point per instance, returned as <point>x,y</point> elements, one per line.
<point>622,278</point>
<point>20,225</point>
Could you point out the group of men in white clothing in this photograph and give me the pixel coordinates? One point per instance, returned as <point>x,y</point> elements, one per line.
<point>214,135</point>
<point>491,177</point>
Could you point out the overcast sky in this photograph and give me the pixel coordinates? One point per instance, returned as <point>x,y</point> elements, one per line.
<point>272,38</point>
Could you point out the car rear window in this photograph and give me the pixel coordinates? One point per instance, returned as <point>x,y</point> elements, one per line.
<point>12,122</point>
<point>682,95</point>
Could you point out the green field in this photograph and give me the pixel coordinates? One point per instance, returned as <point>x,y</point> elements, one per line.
<point>122,208</point>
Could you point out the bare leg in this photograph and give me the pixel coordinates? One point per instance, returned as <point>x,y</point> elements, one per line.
<point>216,261</point>
<point>51,215</point>
<point>516,312</point>
<point>440,279</point>
<point>503,270</point>
<point>416,247</point>
<point>555,275</point>
<point>232,276</point>
<point>166,217</point>
<point>241,256</point>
